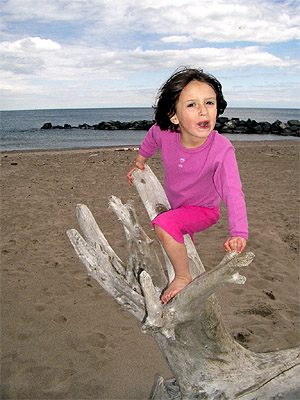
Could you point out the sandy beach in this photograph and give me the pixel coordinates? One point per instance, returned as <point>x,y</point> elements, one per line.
<point>63,336</point>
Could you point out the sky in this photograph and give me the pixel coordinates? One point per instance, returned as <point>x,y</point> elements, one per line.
<point>94,53</point>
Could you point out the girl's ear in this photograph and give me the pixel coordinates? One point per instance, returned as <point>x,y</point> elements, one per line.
<point>174,120</point>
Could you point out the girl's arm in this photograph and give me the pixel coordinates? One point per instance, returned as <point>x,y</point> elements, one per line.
<point>149,146</point>
<point>139,163</point>
<point>228,184</point>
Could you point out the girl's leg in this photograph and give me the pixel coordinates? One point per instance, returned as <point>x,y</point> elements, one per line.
<point>178,256</point>
<point>170,226</point>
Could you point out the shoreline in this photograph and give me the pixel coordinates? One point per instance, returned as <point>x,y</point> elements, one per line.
<point>75,149</point>
<point>62,335</point>
<point>136,147</point>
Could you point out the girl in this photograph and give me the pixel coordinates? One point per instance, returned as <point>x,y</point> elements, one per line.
<point>200,168</point>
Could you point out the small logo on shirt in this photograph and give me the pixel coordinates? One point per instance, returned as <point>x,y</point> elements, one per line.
<point>180,165</point>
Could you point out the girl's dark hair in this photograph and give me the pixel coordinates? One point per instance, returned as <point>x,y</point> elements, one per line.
<point>169,93</point>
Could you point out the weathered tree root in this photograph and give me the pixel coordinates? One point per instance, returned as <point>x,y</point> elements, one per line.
<point>206,361</point>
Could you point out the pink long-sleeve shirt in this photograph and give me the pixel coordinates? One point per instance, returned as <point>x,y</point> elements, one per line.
<point>200,176</point>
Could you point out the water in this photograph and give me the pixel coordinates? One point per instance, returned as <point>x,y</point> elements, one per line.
<point>263,114</point>
<point>20,130</point>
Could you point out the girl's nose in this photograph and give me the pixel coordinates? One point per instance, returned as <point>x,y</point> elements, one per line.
<point>202,110</point>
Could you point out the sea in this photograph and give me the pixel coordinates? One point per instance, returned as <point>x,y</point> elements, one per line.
<point>21,130</point>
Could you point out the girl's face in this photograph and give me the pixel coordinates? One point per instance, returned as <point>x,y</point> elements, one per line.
<point>196,113</point>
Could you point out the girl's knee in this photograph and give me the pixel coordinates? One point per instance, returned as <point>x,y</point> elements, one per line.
<point>166,228</point>
<point>159,231</point>
<point>162,235</point>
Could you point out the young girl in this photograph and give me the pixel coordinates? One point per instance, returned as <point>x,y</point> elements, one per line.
<point>200,168</point>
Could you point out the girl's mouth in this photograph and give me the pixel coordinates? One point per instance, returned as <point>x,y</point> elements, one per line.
<point>203,124</point>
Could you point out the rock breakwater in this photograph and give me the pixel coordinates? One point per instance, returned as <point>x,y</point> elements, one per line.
<point>223,125</point>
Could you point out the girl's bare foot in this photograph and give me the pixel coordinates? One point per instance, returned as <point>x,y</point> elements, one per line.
<point>175,286</point>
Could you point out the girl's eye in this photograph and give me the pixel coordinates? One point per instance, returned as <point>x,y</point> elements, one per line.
<point>210,103</point>
<point>192,105</point>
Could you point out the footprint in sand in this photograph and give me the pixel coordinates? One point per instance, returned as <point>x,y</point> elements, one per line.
<point>269,294</point>
<point>59,318</point>
<point>40,307</point>
<point>88,343</point>
<point>97,339</point>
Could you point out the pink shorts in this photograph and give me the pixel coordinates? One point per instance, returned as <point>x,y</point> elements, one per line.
<point>187,219</point>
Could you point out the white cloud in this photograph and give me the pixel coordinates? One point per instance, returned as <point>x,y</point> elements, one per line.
<point>215,21</point>
<point>31,56</point>
<point>176,39</point>
<point>226,21</point>
<point>30,44</point>
<point>22,10</point>
<point>209,57</point>
<point>26,56</point>
<point>97,47</point>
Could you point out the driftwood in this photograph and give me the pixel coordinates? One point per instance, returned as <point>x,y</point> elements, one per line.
<point>206,361</point>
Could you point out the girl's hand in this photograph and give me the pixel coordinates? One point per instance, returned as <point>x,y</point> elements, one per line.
<point>129,176</point>
<point>234,244</point>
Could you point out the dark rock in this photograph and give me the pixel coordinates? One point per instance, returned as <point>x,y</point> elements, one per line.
<point>241,129</point>
<point>265,126</point>
<point>275,131</point>
<point>276,123</point>
<point>218,127</point>
<point>100,126</point>
<point>285,132</point>
<point>223,125</point>
<point>230,124</point>
<point>110,125</point>
<point>85,126</point>
<point>222,120</point>
<point>47,125</point>
<point>227,130</point>
<point>294,129</point>
<point>282,126</point>
<point>257,129</point>
<point>294,122</point>
<point>250,123</point>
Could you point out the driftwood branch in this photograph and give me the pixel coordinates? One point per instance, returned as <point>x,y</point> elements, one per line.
<point>206,361</point>
<point>104,265</point>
